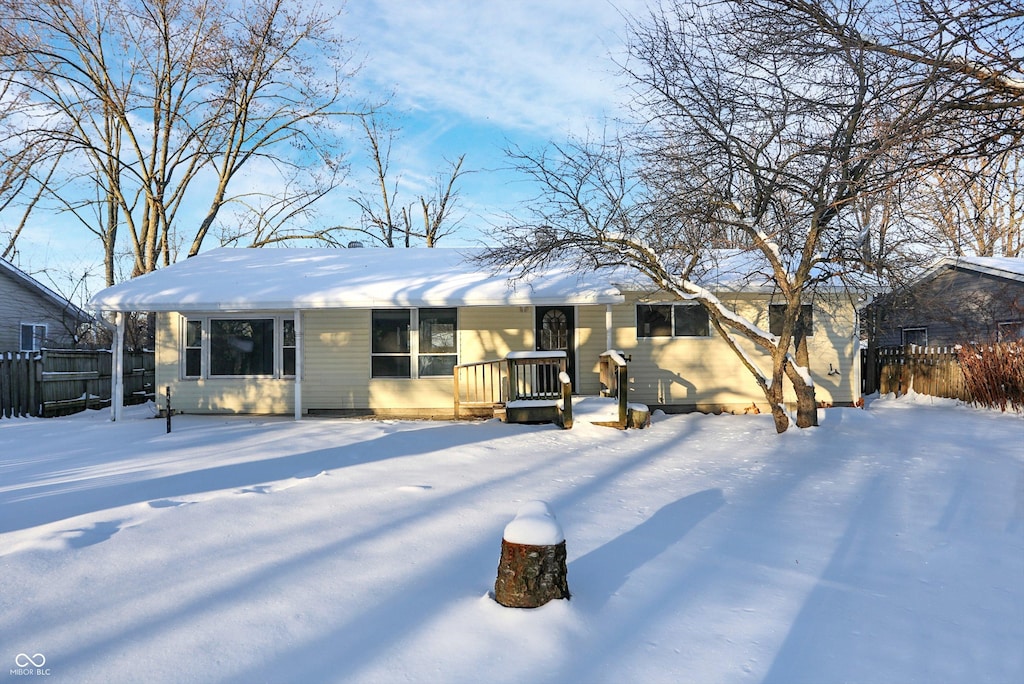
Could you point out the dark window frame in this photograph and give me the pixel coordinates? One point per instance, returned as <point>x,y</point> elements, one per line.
<point>664,320</point>
<point>413,350</point>
<point>776,313</point>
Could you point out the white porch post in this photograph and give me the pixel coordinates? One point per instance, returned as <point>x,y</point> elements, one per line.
<point>298,364</point>
<point>117,393</point>
<point>608,326</point>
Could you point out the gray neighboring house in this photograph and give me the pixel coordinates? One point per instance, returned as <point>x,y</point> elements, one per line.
<point>958,300</point>
<point>32,316</point>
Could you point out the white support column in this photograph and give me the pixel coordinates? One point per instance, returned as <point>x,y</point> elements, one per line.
<point>608,326</point>
<point>298,364</point>
<point>117,393</point>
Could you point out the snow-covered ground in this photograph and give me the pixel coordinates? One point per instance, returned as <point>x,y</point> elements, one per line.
<point>885,546</point>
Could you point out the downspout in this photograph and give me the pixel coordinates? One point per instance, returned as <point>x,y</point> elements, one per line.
<point>298,364</point>
<point>117,393</point>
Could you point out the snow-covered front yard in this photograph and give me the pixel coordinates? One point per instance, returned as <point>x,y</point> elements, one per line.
<point>885,546</point>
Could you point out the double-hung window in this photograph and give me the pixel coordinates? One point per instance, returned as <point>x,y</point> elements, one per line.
<point>33,336</point>
<point>225,347</point>
<point>671,320</point>
<point>396,351</point>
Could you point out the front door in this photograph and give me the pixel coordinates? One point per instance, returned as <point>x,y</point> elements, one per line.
<point>556,326</point>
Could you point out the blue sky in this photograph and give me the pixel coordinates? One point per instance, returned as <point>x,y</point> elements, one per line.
<point>473,77</point>
<point>463,77</point>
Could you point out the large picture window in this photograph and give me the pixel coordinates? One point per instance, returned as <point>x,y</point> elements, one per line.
<point>671,320</point>
<point>242,346</point>
<point>238,347</point>
<point>396,351</point>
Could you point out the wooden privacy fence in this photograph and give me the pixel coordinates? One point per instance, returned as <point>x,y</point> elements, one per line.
<point>57,382</point>
<point>934,371</point>
<point>987,374</point>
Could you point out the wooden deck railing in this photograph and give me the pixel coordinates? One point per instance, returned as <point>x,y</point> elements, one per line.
<point>485,385</point>
<point>480,387</point>
<point>534,375</point>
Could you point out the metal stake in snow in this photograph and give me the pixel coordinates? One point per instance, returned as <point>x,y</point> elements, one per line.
<point>532,568</point>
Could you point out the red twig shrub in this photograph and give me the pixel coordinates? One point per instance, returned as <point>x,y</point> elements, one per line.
<point>994,374</point>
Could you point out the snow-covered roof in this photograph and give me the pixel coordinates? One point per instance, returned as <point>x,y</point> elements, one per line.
<point>1003,267</point>
<point>44,291</point>
<point>284,279</point>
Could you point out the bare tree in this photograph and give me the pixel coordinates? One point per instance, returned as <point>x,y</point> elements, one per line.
<point>776,121</point>
<point>393,224</point>
<point>978,208</point>
<point>168,103</point>
<point>28,163</point>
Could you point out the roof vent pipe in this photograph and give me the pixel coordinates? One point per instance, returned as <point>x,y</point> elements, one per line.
<point>355,244</point>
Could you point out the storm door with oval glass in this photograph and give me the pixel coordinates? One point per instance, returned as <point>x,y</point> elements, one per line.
<point>556,326</point>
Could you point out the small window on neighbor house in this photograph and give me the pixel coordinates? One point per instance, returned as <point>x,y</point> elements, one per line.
<point>1010,331</point>
<point>33,336</point>
<point>915,336</point>
<point>193,348</point>
<point>391,355</point>
<point>437,354</point>
<point>242,346</point>
<point>288,347</point>
<point>804,324</point>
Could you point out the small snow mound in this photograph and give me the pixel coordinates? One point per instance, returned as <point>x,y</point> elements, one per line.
<point>414,488</point>
<point>535,525</point>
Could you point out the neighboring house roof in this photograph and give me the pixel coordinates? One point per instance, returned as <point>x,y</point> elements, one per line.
<point>48,294</point>
<point>262,279</point>
<point>1011,268</point>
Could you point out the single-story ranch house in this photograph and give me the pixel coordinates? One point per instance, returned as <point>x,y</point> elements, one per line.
<point>380,331</point>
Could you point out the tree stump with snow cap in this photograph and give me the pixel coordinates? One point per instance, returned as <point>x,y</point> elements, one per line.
<point>532,568</point>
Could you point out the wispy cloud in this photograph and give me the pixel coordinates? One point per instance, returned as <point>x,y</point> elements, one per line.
<point>536,66</point>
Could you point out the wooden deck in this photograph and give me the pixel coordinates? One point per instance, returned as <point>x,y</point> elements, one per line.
<point>533,387</point>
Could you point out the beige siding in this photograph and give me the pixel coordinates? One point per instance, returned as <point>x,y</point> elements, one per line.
<point>337,359</point>
<point>487,333</point>
<point>591,342</point>
<point>685,373</point>
<point>706,373</point>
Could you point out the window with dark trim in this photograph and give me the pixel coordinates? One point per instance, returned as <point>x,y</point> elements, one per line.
<point>671,320</point>
<point>193,348</point>
<point>288,347</point>
<point>691,320</point>
<point>437,353</point>
<point>804,324</point>
<point>407,343</point>
<point>390,352</point>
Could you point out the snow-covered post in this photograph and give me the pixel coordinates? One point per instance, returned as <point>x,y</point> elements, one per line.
<point>532,568</point>
<point>117,398</point>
